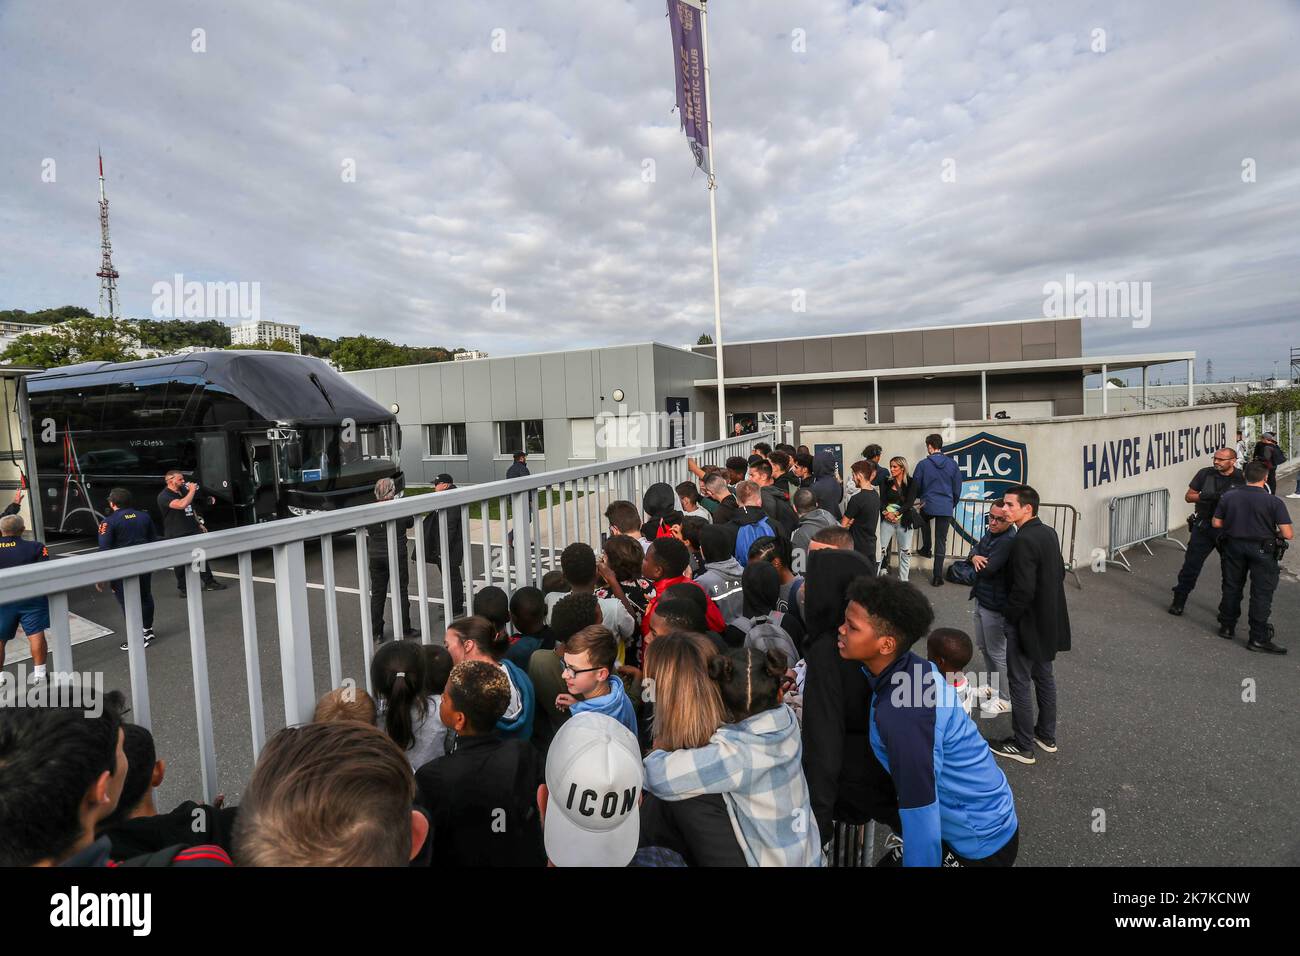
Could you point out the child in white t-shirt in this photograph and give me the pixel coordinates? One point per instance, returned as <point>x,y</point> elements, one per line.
<point>950,650</point>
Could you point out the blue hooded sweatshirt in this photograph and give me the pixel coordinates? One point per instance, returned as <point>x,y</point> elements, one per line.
<point>938,484</point>
<point>521,727</point>
<point>949,789</point>
<point>615,704</point>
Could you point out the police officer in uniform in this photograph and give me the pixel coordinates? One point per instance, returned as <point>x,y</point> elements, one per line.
<point>32,613</point>
<point>386,490</point>
<point>1207,487</point>
<point>1256,527</point>
<point>123,527</point>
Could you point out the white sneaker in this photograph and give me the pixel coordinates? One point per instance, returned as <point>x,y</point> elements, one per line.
<point>1294,495</point>
<point>35,678</point>
<point>991,708</point>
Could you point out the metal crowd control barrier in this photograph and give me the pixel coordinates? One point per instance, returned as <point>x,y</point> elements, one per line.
<point>1136,519</point>
<point>514,516</point>
<point>973,514</point>
<point>852,844</point>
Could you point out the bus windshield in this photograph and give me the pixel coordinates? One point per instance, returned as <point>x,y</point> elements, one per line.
<point>326,455</point>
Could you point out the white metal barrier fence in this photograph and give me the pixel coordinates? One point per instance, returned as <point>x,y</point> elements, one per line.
<point>526,522</point>
<point>1136,519</point>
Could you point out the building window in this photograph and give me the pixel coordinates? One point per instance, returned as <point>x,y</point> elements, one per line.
<point>443,441</point>
<point>582,438</point>
<point>525,436</point>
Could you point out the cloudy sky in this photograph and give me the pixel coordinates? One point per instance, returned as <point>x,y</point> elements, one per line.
<point>904,164</point>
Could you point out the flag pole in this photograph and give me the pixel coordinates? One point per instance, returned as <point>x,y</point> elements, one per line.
<point>713,227</point>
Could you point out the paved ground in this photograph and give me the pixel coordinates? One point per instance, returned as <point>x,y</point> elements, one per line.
<point>1154,731</point>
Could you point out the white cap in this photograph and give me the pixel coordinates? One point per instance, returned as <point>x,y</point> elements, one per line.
<point>593,778</point>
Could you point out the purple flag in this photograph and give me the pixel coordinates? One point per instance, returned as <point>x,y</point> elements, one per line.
<point>688,62</point>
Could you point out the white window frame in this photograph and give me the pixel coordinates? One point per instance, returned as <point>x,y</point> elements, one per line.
<point>523,439</point>
<point>429,454</point>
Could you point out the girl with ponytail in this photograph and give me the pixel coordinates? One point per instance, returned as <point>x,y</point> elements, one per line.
<point>403,707</point>
<point>755,761</point>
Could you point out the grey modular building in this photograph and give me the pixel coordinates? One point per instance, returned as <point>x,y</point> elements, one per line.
<point>467,418</point>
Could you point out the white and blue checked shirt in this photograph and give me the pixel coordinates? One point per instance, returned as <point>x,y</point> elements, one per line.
<point>757,766</point>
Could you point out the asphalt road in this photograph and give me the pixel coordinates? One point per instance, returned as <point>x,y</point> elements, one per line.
<point>1162,760</point>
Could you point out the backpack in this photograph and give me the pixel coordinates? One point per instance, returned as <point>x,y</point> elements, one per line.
<point>765,633</point>
<point>748,534</point>
<point>961,572</point>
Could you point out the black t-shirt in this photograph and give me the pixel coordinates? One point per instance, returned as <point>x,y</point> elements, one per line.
<point>177,522</point>
<point>1252,513</point>
<point>1212,486</point>
<point>864,509</point>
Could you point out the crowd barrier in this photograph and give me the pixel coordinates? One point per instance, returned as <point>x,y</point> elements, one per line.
<point>1136,519</point>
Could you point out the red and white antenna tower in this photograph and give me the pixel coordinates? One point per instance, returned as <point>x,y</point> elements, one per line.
<point>109,307</point>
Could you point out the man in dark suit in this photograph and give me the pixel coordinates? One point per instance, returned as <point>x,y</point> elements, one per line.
<point>1039,626</point>
<point>455,548</point>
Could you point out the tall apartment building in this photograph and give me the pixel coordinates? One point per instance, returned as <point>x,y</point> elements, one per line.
<point>262,332</point>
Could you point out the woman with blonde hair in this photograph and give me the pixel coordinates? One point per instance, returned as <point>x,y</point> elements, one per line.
<point>688,710</point>
<point>897,515</point>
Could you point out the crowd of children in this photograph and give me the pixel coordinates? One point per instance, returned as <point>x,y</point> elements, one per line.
<point>725,682</point>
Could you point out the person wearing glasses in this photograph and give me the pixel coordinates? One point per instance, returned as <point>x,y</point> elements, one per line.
<point>992,585</point>
<point>588,673</point>
<point>1208,486</point>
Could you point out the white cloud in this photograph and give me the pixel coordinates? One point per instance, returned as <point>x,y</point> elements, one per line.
<point>522,170</point>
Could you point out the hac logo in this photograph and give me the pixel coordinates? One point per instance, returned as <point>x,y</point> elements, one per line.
<point>989,466</point>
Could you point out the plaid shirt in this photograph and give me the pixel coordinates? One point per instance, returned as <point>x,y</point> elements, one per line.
<point>757,767</point>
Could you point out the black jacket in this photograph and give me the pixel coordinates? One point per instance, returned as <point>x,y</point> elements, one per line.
<point>845,780</point>
<point>905,498</point>
<point>433,540</point>
<point>1036,604</point>
<point>726,508</point>
<point>141,835</point>
<point>698,828</point>
<point>993,583</point>
<point>776,504</point>
<point>829,492</point>
<point>463,792</point>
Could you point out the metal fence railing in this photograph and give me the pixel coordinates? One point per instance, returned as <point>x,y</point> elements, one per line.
<point>1136,519</point>
<point>518,527</point>
<point>971,521</point>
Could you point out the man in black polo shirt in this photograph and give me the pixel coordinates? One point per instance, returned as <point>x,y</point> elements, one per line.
<point>176,504</point>
<point>1207,487</point>
<point>1252,520</point>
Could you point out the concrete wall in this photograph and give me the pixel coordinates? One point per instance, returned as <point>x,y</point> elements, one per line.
<point>1078,461</point>
<point>1159,396</point>
<point>552,386</point>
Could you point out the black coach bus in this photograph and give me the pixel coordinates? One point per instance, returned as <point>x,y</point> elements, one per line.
<point>267,434</point>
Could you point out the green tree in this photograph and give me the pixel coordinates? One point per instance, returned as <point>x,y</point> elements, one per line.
<point>178,333</point>
<point>46,316</point>
<point>356,352</point>
<point>704,339</point>
<point>317,345</point>
<point>73,340</point>
<point>277,345</point>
